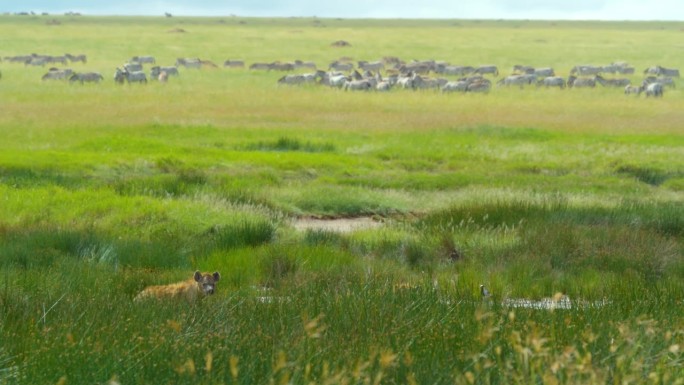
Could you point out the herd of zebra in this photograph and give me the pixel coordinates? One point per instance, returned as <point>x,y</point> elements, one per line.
<point>380,75</point>
<point>417,75</point>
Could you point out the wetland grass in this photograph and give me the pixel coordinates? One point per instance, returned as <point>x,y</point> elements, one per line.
<point>105,189</point>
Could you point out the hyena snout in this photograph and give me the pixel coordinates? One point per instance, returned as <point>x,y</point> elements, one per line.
<point>209,289</point>
<point>207,282</point>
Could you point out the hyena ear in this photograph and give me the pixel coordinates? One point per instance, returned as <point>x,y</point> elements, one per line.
<point>217,276</point>
<point>198,276</point>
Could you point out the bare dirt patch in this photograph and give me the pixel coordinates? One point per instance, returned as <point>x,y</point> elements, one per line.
<point>338,225</point>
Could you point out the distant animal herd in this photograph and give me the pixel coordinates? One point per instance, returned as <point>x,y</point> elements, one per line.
<point>379,75</point>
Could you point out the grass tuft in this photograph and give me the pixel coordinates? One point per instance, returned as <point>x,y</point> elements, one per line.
<point>290,144</point>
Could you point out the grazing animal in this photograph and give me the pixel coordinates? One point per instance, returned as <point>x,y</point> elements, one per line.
<point>123,74</point>
<point>93,77</point>
<point>189,62</point>
<point>57,74</point>
<point>357,85</point>
<point>662,71</point>
<point>458,70</point>
<point>133,67</point>
<point>574,81</point>
<point>633,90</point>
<point>585,70</point>
<point>552,81</point>
<point>489,69</point>
<point>156,70</point>
<point>163,77</point>
<point>371,66</point>
<point>654,89</point>
<point>455,86</point>
<point>544,72</point>
<point>482,86</point>
<point>74,58</point>
<point>143,59</point>
<point>517,80</point>
<point>339,66</point>
<point>200,285</point>
<point>234,63</point>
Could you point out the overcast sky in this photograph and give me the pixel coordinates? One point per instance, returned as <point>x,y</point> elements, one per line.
<point>442,9</point>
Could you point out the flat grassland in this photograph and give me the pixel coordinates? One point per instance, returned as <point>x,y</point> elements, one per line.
<point>106,188</point>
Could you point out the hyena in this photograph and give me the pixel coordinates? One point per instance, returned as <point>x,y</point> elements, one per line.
<point>198,286</point>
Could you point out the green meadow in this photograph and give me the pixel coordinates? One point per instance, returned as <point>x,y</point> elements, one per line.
<point>535,193</point>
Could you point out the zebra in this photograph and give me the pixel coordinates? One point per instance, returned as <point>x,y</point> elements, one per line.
<point>544,72</point>
<point>90,77</point>
<point>304,64</point>
<point>260,66</point>
<point>130,76</point>
<point>585,70</point>
<point>661,71</point>
<point>523,69</point>
<point>552,81</point>
<point>629,89</point>
<point>518,80</point>
<point>412,81</point>
<point>143,59</point>
<point>654,89</point>
<point>189,62</point>
<point>297,79</point>
<point>170,71</point>
<point>339,66</point>
<point>672,73</point>
<point>455,86</point>
<point>76,58</point>
<point>488,69</point>
<point>56,59</point>
<point>612,82</point>
<point>371,66</point>
<point>234,63</point>
<point>278,66</point>
<point>574,81</point>
<point>458,70</point>
<point>479,86</point>
<point>133,66</point>
<point>383,85</point>
<point>338,81</point>
<point>57,74</point>
<point>357,85</point>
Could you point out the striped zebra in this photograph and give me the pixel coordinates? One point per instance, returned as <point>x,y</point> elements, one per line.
<point>585,70</point>
<point>143,59</point>
<point>86,77</point>
<point>170,71</point>
<point>488,69</point>
<point>654,89</point>
<point>574,81</point>
<point>671,73</point>
<point>234,63</point>
<point>76,58</point>
<point>633,90</point>
<point>552,81</point>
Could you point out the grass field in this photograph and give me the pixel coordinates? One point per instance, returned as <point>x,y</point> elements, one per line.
<point>105,189</point>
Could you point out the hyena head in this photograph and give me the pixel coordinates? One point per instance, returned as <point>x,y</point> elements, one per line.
<point>207,282</point>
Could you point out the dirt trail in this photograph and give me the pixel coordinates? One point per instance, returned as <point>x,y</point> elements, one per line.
<point>339,225</point>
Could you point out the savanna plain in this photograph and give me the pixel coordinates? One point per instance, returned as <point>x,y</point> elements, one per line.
<point>570,199</point>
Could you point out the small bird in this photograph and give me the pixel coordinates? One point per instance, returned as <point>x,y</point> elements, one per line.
<point>485,293</point>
